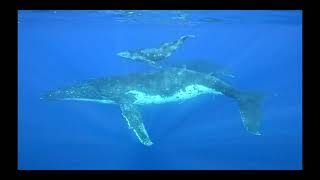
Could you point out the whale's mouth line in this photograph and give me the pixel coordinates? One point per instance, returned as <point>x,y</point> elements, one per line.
<point>103,101</point>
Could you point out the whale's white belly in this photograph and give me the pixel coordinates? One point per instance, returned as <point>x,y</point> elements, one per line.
<point>143,98</point>
<point>189,92</point>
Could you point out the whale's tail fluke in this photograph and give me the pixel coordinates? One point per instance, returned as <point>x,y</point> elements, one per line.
<point>250,110</point>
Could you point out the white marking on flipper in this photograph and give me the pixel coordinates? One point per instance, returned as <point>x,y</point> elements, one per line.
<point>133,118</point>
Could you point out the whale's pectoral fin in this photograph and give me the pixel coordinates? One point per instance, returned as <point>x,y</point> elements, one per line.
<point>131,113</point>
<point>250,111</point>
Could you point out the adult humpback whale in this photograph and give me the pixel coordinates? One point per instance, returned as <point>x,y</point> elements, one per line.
<point>153,55</point>
<point>161,86</point>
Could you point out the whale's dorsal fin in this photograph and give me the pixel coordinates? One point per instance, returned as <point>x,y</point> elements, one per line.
<point>131,113</point>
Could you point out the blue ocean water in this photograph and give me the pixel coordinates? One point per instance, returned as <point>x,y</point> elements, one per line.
<point>263,49</point>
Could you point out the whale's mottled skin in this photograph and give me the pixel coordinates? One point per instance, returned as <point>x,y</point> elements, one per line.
<point>153,55</point>
<point>160,86</point>
<point>204,66</point>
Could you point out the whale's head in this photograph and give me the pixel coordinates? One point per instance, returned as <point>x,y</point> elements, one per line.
<point>52,95</point>
<point>124,54</point>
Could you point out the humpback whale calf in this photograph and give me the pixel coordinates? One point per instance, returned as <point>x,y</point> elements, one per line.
<point>157,87</point>
<point>153,55</point>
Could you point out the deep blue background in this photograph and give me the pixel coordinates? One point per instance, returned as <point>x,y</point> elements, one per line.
<point>57,48</point>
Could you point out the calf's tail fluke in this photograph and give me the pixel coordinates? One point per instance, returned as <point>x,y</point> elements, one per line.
<point>250,110</point>
<point>183,38</point>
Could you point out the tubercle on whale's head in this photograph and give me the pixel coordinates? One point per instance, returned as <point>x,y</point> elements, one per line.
<point>125,54</point>
<point>52,95</point>
<point>46,96</point>
<point>63,93</point>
